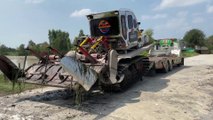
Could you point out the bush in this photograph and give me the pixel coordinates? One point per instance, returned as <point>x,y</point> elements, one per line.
<point>189,54</point>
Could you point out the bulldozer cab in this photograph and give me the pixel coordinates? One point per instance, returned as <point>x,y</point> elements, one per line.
<point>166,46</point>
<point>168,43</point>
<point>119,24</point>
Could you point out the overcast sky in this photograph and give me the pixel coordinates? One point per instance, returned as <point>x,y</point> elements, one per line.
<point>24,20</point>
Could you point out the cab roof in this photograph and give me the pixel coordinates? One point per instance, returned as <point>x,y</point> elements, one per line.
<point>107,13</point>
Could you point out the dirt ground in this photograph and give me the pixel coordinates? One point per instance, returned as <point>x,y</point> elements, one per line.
<point>186,93</point>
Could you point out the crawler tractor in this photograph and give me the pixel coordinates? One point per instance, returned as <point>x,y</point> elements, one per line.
<point>110,58</point>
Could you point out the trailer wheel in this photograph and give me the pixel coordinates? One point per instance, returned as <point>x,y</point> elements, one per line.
<point>152,71</point>
<point>166,67</point>
<point>182,61</point>
<point>170,66</point>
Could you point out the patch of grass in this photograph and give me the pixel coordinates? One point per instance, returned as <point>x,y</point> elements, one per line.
<point>145,54</point>
<point>189,54</point>
<point>6,86</point>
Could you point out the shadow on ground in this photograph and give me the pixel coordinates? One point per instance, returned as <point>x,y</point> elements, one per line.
<point>100,104</point>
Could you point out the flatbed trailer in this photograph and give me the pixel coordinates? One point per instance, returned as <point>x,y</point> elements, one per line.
<point>166,63</point>
<point>163,57</point>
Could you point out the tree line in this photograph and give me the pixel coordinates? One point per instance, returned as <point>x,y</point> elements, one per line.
<point>196,37</point>
<point>60,40</point>
<point>191,39</point>
<point>57,39</point>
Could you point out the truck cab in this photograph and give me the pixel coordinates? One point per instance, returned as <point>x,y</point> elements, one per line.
<point>120,26</point>
<point>166,46</point>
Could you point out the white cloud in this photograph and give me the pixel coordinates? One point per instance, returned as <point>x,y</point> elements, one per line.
<point>177,3</point>
<point>182,14</point>
<point>198,20</point>
<point>80,13</point>
<point>34,1</point>
<point>197,14</point>
<point>156,16</point>
<point>172,28</point>
<point>175,24</point>
<point>210,9</point>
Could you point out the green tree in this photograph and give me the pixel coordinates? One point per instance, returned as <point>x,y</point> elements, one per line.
<point>81,34</point>
<point>42,46</point>
<point>33,45</point>
<point>149,33</point>
<point>209,42</point>
<point>21,50</point>
<point>59,40</point>
<point>194,37</point>
<point>3,50</point>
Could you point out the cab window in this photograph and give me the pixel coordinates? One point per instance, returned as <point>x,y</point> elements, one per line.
<point>130,22</point>
<point>105,26</point>
<point>123,24</point>
<point>135,23</point>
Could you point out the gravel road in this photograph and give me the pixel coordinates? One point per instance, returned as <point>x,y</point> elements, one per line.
<point>186,93</point>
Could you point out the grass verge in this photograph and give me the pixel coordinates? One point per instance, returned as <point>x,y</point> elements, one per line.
<point>189,54</point>
<point>6,87</point>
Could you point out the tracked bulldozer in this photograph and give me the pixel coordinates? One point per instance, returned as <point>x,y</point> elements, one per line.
<point>110,58</point>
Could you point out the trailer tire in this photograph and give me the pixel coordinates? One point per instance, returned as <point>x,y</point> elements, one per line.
<point>170,66</point>
<point>166,68</point>
<point>152,71</point>
<point>182,61</point>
